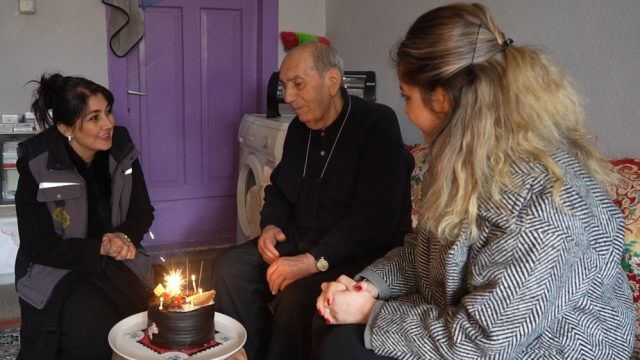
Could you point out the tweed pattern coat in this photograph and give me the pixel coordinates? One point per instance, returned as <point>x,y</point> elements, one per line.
<point>540,282</point>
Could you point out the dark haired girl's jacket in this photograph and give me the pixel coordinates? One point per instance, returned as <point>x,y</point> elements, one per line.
<point>54,218</point>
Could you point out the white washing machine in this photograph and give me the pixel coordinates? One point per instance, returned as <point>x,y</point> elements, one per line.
<point>261,140</point>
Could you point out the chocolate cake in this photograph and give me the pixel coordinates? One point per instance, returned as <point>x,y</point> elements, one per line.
<point>175,329</point>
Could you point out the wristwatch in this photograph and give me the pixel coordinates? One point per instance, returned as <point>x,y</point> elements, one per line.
<point>322,264</point>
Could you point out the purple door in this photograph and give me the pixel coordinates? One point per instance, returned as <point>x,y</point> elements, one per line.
<point>201,66</point>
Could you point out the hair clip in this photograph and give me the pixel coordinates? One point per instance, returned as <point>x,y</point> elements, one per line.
<point>507,43</point>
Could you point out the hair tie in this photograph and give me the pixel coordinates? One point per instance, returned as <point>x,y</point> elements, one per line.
<point>507,43</point>
<point>475,45</point>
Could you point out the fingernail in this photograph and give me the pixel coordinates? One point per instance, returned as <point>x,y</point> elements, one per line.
<point>319,312</point>
<point>358,288</point>
<point>328,301</point>
<point>328,321</point>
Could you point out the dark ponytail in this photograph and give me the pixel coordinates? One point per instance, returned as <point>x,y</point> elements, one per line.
<point>63,99</point>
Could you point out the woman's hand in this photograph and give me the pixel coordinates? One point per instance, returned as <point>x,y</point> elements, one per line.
<point>346,301</point>
<point>117,246</point>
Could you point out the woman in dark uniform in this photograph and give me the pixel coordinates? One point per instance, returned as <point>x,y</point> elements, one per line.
<point>83,208</point>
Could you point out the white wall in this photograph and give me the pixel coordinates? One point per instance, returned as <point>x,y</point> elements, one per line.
<point>301,16</point>
<point>595,41</point>
<point>63,35</point>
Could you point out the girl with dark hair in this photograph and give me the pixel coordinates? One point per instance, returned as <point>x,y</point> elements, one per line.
<point>517,251</point>
<point>83,209</point>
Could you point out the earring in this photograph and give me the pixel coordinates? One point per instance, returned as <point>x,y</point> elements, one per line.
<point>69,138</point>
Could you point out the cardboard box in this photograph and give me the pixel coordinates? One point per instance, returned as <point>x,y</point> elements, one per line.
<point>6,128</point>
<point>29,117</point>
<point>23,127</point>
<point>12,119</point>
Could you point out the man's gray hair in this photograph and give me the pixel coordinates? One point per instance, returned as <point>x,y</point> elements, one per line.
<point>324,57</point>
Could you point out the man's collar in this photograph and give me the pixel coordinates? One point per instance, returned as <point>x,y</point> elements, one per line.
<point>343,112</point>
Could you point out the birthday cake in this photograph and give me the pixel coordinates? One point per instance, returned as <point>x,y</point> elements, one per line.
<point>181,320</point>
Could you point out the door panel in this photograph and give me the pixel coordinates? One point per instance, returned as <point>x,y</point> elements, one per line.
<point>162,113</point>
<point>201,66</point>
<point>222,92</point>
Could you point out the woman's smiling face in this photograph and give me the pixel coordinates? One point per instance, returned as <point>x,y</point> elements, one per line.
<point>93,130</point>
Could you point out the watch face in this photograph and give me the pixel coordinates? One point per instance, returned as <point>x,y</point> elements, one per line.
<point>322,264</point>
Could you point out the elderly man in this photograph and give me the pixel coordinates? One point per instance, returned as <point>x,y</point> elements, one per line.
<point>339,198</point>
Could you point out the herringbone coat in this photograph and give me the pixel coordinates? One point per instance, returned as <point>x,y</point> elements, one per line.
<point>539,283</point>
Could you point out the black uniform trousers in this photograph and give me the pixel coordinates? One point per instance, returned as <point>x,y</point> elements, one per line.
<point>242,292</point>
<point>86,318</point>
<point>75,323</point>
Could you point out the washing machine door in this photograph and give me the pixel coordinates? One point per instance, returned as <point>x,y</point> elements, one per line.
<point>250,176</point>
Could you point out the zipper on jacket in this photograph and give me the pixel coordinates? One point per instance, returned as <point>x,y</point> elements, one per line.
<point>125,153</point>
<point>29,269</point>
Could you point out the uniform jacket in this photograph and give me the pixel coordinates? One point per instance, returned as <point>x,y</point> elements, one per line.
<point>63,191</point>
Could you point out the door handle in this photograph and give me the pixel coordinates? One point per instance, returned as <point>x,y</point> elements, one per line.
<point>136,93</point>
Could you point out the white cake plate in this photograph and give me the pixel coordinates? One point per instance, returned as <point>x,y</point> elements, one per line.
<point>134,351</point>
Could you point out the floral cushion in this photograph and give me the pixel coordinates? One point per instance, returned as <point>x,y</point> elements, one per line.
<point>419,152</point>
<point>627,197</point>
<point>626,194</point>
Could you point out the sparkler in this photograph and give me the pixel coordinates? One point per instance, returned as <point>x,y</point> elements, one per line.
<point>174,282</point>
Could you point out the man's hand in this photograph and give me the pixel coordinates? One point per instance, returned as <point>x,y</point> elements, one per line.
<point>288,269</point>
<point>267,241</point>
<point>116,246</point>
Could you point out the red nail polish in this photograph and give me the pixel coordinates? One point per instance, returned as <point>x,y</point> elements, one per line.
<point>319,312</point>
<point>358,288</point>
<point>328,321</point>
<point>328,301</point>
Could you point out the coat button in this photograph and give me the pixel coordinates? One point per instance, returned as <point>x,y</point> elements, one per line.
<point>58,196</point>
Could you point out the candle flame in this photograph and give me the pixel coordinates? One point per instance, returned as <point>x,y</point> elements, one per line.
<point>174,282</point>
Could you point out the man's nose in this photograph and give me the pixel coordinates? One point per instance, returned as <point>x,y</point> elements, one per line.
<point>289,95</point>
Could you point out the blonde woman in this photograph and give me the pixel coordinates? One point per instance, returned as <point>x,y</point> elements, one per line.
<point>518,250</point>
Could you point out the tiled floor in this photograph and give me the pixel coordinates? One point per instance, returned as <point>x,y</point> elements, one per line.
<point>9,308</point>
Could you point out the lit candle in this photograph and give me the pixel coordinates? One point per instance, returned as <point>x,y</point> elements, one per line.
<point>192,303</point>
<point>200,291</point>
<point>161,301</point>
<point>193,278</point>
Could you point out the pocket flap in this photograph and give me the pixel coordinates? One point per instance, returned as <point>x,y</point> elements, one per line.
<point>59,191</point>
<point>36,287</point>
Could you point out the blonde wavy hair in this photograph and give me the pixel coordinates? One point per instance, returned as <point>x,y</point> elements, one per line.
<point>508,104</point>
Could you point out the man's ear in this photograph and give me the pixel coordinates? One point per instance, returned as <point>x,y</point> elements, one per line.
<point>334,81</point>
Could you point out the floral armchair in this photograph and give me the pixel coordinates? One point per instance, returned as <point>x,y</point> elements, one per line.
<point>626,195</point>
